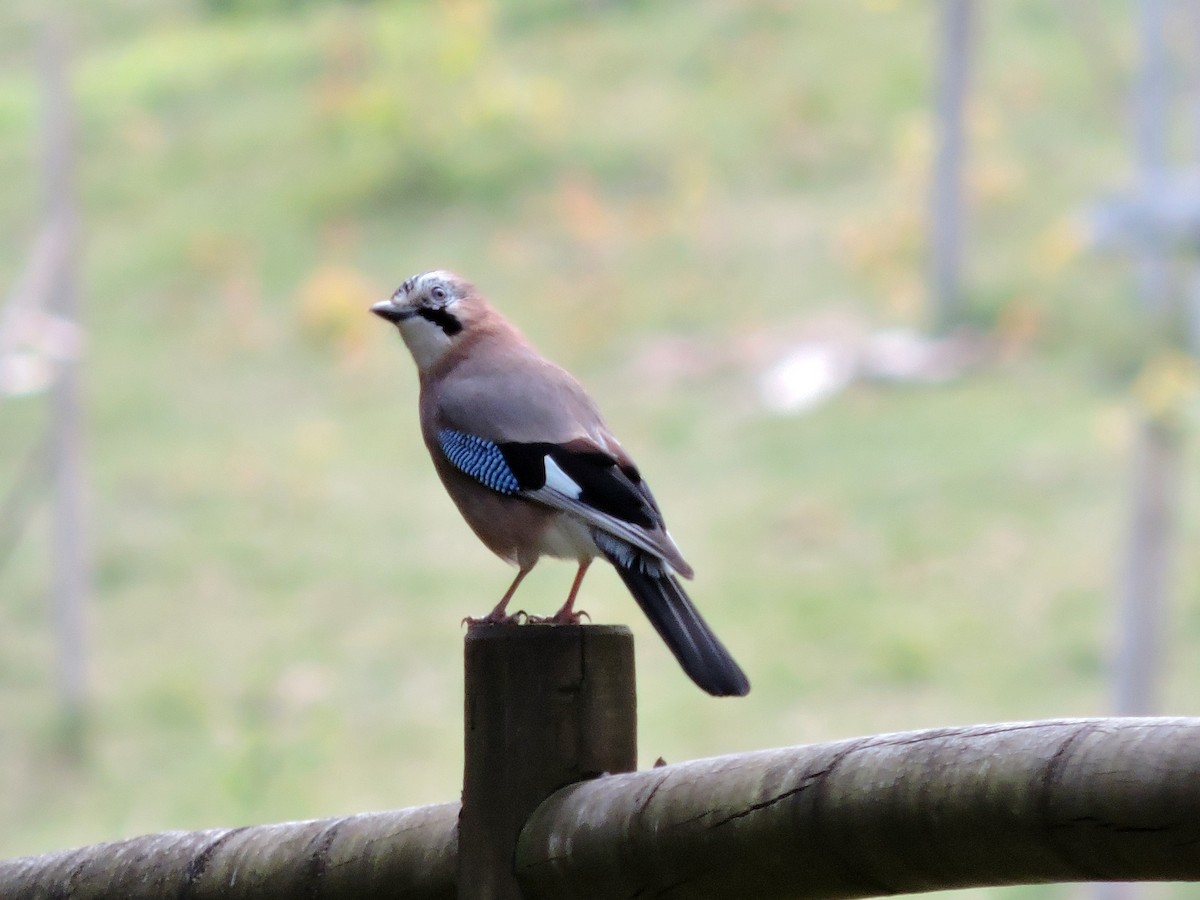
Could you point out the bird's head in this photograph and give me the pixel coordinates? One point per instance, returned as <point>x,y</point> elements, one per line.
<point>432,310</point>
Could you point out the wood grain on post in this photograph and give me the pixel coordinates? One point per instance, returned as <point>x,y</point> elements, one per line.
<point>546,706</point>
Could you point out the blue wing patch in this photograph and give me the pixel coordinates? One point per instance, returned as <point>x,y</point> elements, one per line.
<point>479,458</point>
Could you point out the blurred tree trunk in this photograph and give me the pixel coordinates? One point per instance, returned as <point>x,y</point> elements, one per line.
<point>946,199</point>
<point>71,570</point>
<point>1144,582</point>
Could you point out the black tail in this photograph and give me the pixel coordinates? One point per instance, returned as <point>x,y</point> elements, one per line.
<point>677,621</point>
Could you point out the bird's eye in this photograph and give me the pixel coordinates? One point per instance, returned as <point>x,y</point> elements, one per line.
<point>438,293</point>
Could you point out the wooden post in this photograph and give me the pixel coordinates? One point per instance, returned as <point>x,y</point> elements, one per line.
<point>546,706</point>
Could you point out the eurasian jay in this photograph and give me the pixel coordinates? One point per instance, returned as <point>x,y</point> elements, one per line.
<point>526,457</point>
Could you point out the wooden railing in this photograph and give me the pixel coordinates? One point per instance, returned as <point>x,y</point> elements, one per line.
<point>552,808</point>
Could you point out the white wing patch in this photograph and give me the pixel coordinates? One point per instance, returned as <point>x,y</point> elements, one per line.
<point>560,491</point>
<point>558,480</point>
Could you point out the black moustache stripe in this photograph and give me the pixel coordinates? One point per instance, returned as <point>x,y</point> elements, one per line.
<point>442,319</point>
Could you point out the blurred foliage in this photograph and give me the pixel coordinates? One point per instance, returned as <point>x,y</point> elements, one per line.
<point>332,302</point>
<point>270,7</point>
<point>665,196</point>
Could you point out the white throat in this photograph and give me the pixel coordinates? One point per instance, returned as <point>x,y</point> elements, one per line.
<point>425,341</point>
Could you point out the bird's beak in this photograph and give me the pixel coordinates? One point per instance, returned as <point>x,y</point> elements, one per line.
<point>386,309</point>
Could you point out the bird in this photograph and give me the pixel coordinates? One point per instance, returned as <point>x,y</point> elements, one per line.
<point>527,458</point>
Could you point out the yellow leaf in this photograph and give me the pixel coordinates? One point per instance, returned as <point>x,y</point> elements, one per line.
<point>333,309</point>
<point>1166,384</point>
<point>1058,245</point>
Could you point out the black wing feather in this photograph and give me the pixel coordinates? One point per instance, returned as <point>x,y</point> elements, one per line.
<point>604,485</point>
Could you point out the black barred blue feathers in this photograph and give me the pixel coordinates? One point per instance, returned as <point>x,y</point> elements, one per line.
<point>480,459</point>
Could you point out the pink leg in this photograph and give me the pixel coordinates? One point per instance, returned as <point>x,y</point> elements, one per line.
<point>497,616</point>
<point>567,615</point>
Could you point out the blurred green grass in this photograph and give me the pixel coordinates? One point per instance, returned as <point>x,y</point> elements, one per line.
<point>279,576</point>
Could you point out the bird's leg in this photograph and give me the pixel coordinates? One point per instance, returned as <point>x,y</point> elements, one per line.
<point>567,615</point>
<point>498,616</point>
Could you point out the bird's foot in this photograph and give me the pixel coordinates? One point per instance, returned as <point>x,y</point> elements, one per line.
<point>562,617</point>
<point>494,618</point>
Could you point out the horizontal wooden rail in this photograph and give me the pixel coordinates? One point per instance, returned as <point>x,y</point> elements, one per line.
<point>1022,803</point>
<point>407,853</point>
